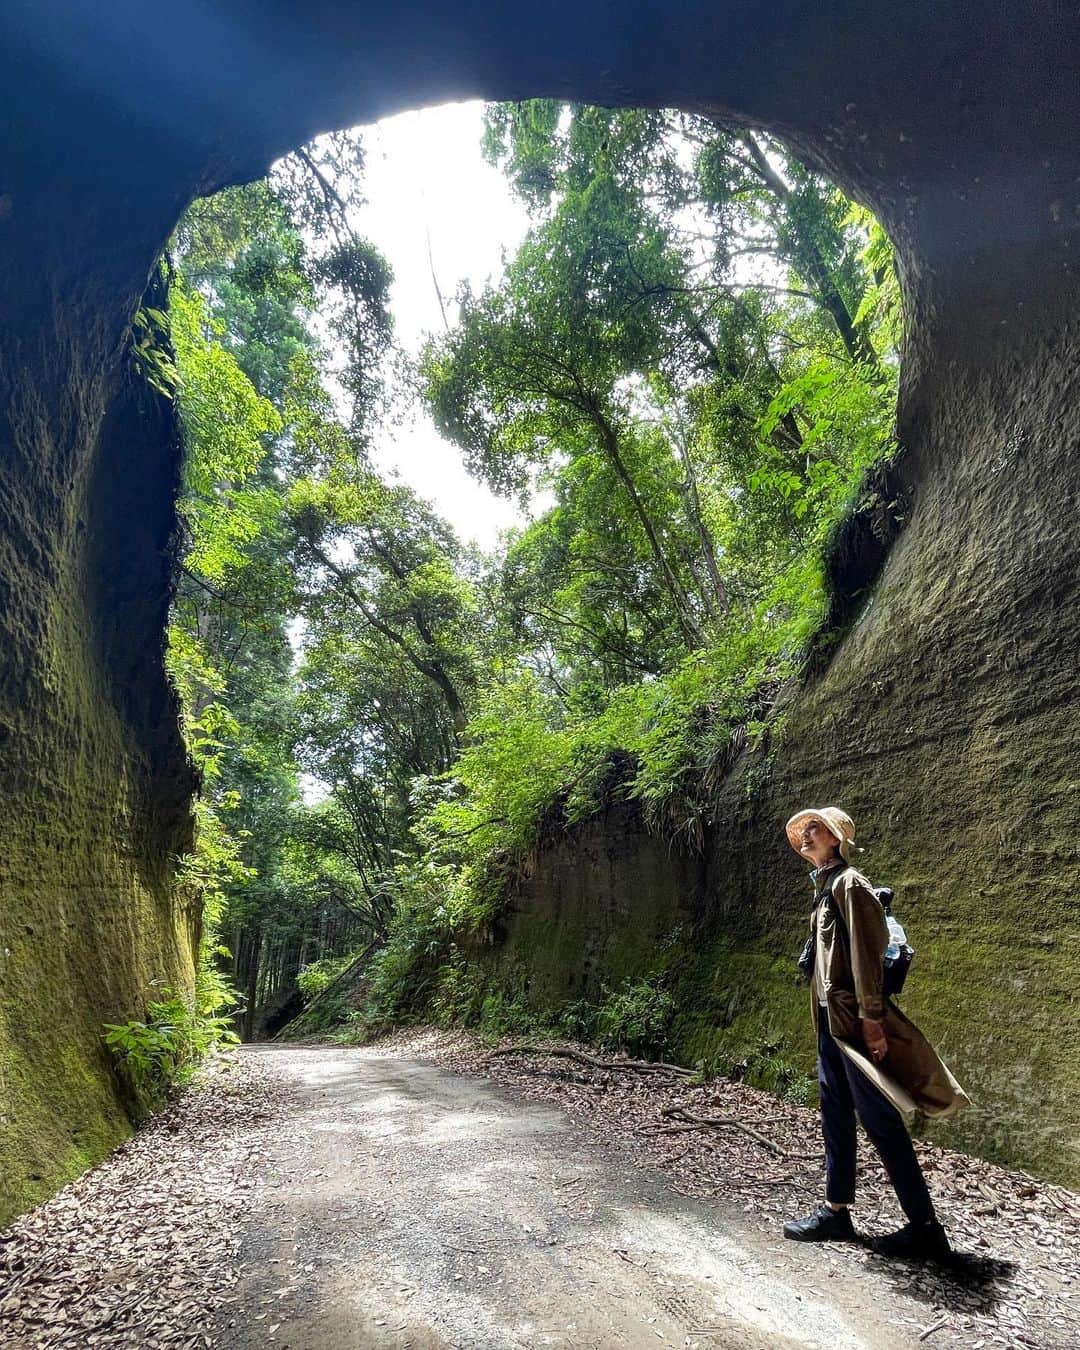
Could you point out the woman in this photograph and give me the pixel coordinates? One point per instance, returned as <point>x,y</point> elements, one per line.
<point>871,1058</point>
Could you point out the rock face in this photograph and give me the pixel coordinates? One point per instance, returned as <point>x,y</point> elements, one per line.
<point>345,994</point>
<point>607,902</point>
<point>947,717</point>
<point>94,805</point>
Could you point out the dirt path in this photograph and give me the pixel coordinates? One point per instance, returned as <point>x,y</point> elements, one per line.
<point>408,1206</point>
<point>328,1198</point>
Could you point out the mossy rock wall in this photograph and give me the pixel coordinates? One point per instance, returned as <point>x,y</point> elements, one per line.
<point>607,902</point>
<point>948,724</point>
<point>94,786</point>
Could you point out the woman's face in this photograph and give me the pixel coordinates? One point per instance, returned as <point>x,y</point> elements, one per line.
<point>816,843</point>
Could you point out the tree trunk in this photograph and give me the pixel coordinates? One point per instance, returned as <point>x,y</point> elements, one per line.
<point>812,264</point>
<point>610,442</point>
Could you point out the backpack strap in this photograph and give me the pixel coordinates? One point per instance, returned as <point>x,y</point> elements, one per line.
<point>828,893</point>
<point>894,972</point>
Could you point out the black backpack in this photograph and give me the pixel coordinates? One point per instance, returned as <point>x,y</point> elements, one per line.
<point>900,953</point>
<point>898,956</point>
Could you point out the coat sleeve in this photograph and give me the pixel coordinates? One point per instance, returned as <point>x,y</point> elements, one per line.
<point>869,936</point>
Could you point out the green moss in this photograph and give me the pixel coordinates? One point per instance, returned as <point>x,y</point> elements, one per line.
<point>55,1125</point>
<point>86,924</point>
<point>1005,1020</point>
<point>733,1000</point>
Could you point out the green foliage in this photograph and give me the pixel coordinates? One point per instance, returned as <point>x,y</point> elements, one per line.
<point>158,1054</point>
<point>150,350</point>
<point>460,994</point>
<point>313,978</point>
<point>208,725</point>
<point>767,1065</point>
<point>513,763</point>
<point>406,969</point>
<point>225,422</point>
<point>635,1018</point>
<point>324,1010</point>
<point>881,307</point>
<point>847,418</point>
<point>502,1017</point>
<point>258,416</point>
<point>692,354</point>
<point>575,1020</point>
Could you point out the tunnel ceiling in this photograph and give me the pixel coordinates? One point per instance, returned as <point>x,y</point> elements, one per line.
<point>961,134</point>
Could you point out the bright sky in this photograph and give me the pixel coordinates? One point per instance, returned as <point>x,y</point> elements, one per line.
<point>426,180</point>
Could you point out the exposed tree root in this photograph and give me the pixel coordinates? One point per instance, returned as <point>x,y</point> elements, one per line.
<point>689,1121</point>
<point>593,1061</point>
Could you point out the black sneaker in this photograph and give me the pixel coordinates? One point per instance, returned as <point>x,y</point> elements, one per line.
<point>915,1242</point>
<point>823,1225</point>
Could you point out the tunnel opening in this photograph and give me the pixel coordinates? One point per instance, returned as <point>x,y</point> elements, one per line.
<point>528,443</point>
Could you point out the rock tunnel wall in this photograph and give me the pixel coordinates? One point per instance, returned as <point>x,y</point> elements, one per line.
<point>948,726</point>
<point>94,787</point>
<point>947,719</point>
<point>607,902</point>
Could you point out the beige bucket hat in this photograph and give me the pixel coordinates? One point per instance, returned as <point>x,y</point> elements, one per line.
<point>837,822</point>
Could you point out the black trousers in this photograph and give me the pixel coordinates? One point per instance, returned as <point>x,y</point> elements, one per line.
<point>845,1090</point>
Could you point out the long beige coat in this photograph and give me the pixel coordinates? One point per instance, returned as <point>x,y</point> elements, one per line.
<point>912,1075</point>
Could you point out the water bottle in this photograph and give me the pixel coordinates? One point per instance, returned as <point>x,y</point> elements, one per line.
<point>897,938</point>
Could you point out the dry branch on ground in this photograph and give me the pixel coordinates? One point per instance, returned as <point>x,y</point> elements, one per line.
<point>690,1122</point>
<point>645,1066</point>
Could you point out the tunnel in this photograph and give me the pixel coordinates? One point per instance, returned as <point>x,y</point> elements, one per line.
<point>947,712</point>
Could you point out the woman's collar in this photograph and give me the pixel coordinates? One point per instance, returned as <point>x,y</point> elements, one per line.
<point>828,867</point>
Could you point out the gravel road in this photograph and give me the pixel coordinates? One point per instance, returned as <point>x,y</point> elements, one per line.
<point>423,1192</point>
<point>408,1206</point>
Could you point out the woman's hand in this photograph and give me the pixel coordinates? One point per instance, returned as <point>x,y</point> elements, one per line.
<point>874,1036</point>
